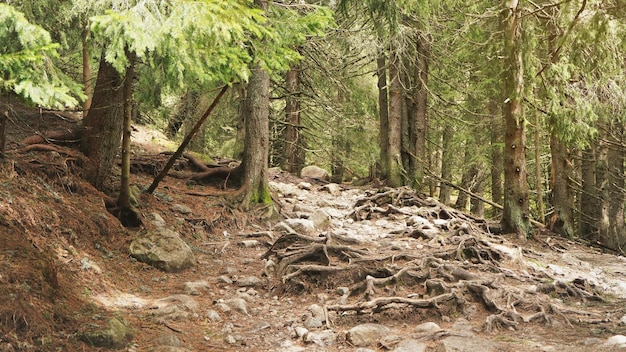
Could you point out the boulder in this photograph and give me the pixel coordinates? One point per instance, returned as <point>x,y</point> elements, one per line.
<point>366,334</point>
<point>315,172</point>
<point>163,249</point>
<point>115,335</point>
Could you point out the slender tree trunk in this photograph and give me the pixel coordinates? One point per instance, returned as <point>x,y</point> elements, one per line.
<point>562,221</point>
<point>477,206</point>
<point>588,196</point>
<point>602,183</point>
<point>420,120</point>
<point>87,86</point>
<point>617,229</point>
<point>123,200</point>
<point>383,111</point>
<point>394,145</point>
<point>446,165</point>
<point>100,141</point>
<point>516,218</point>
<point>293,148</point>
<point>497,161</point>
<point>538,171</point>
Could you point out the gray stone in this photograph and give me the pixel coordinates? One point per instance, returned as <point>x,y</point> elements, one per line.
<point>115,335</point>
<point>466,344</point>
<point>410,345</point>
<point>195,287</point>
<point>331,188</point>
<point>321,219</point>
<point>427,328</point>
<point>615,341</point>
<point>238,304</point>
<point>249,281</point>
<point>317,312</point>
<point>170,349</point>
<point>313,323</point>
<point>181,208</point>
<point>213,316</point>
<point>304,185</point>
<point>282,227</point>
<point>168,339</point>
<point>157,220</point>
<point>623,320</point>
<point>315,172</point>
<point>343,291</point>
<point>175,307</point>
<point>163,249</point>
<point>225,279</point>
<point>321,338</point>
<point>301,331</point>
<point>301,226</point>
<point>366,334</point>
<point>302,208</point>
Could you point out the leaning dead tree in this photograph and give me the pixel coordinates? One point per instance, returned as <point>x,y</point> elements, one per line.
<point>443,260</point>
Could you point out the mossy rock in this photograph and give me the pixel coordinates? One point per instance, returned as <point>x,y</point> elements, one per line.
<point>115,335</point>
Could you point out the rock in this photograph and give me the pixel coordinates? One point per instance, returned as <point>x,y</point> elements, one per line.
<point>183,209</point>
<point>331,188</point>
<point>249,281</point>
<point>224,279</point>
<point>282,227</point>
<point>168,339</point>
<point>157,220</point>
<point>170,349</point>
<point>163,249</point>
<point>175,307</point>
<point>195,288</point>
<point>321,338</point>
<point>301,331</point>
<point>427,328</point>
<point>317,312</point>
<point>343,291</point>
<point>623,320</point>
<point>389,341</point>
<point>466,344</point>
<point>321,219</point>
<point>315,172</point>
<point>313,323</point>
<point>238,304</point>
<point>301,226</point>
<point>115,335</point>
<point>616,341</point>
<point>302,208</point>
<point>213,316</point>
<point>304,185</point>
<point>410,345</point>
<point>366,334</point>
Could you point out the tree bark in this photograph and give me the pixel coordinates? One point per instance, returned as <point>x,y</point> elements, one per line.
<point>256,147</point>
<point>86,55</point>
<point>293,148</point>
<point>123,200</point>
<point>420,118</point>
<point>497,161</point>
<point>446,165</point>
<point>394,145</point>
<point>516,218</point>
<point>383,111</point>
<point>588,196</point>
<point>561,198</point>
<point>616,233</point>
<point>100,141</point>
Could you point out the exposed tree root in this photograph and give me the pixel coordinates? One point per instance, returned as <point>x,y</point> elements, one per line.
<point>459,262</point>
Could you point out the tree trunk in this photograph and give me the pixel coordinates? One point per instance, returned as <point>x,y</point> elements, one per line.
<point>293,147</point>
<point>100,141</point>
<point>616,234</point>
<point>256,147</point>
<point>394,145</point>
<point>497,161</point>
<point>420,118</point>
<point>383,111</point>
<point>588,197</point>
<point>602,182</point>
<point>561,198</point>
<point>446,165</point>
<point>538,170</point>
<point>87,87</point>
<point>516,218</point>
<point>123,200</point>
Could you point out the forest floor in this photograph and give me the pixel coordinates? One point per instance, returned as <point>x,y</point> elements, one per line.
<point>429,277</point>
